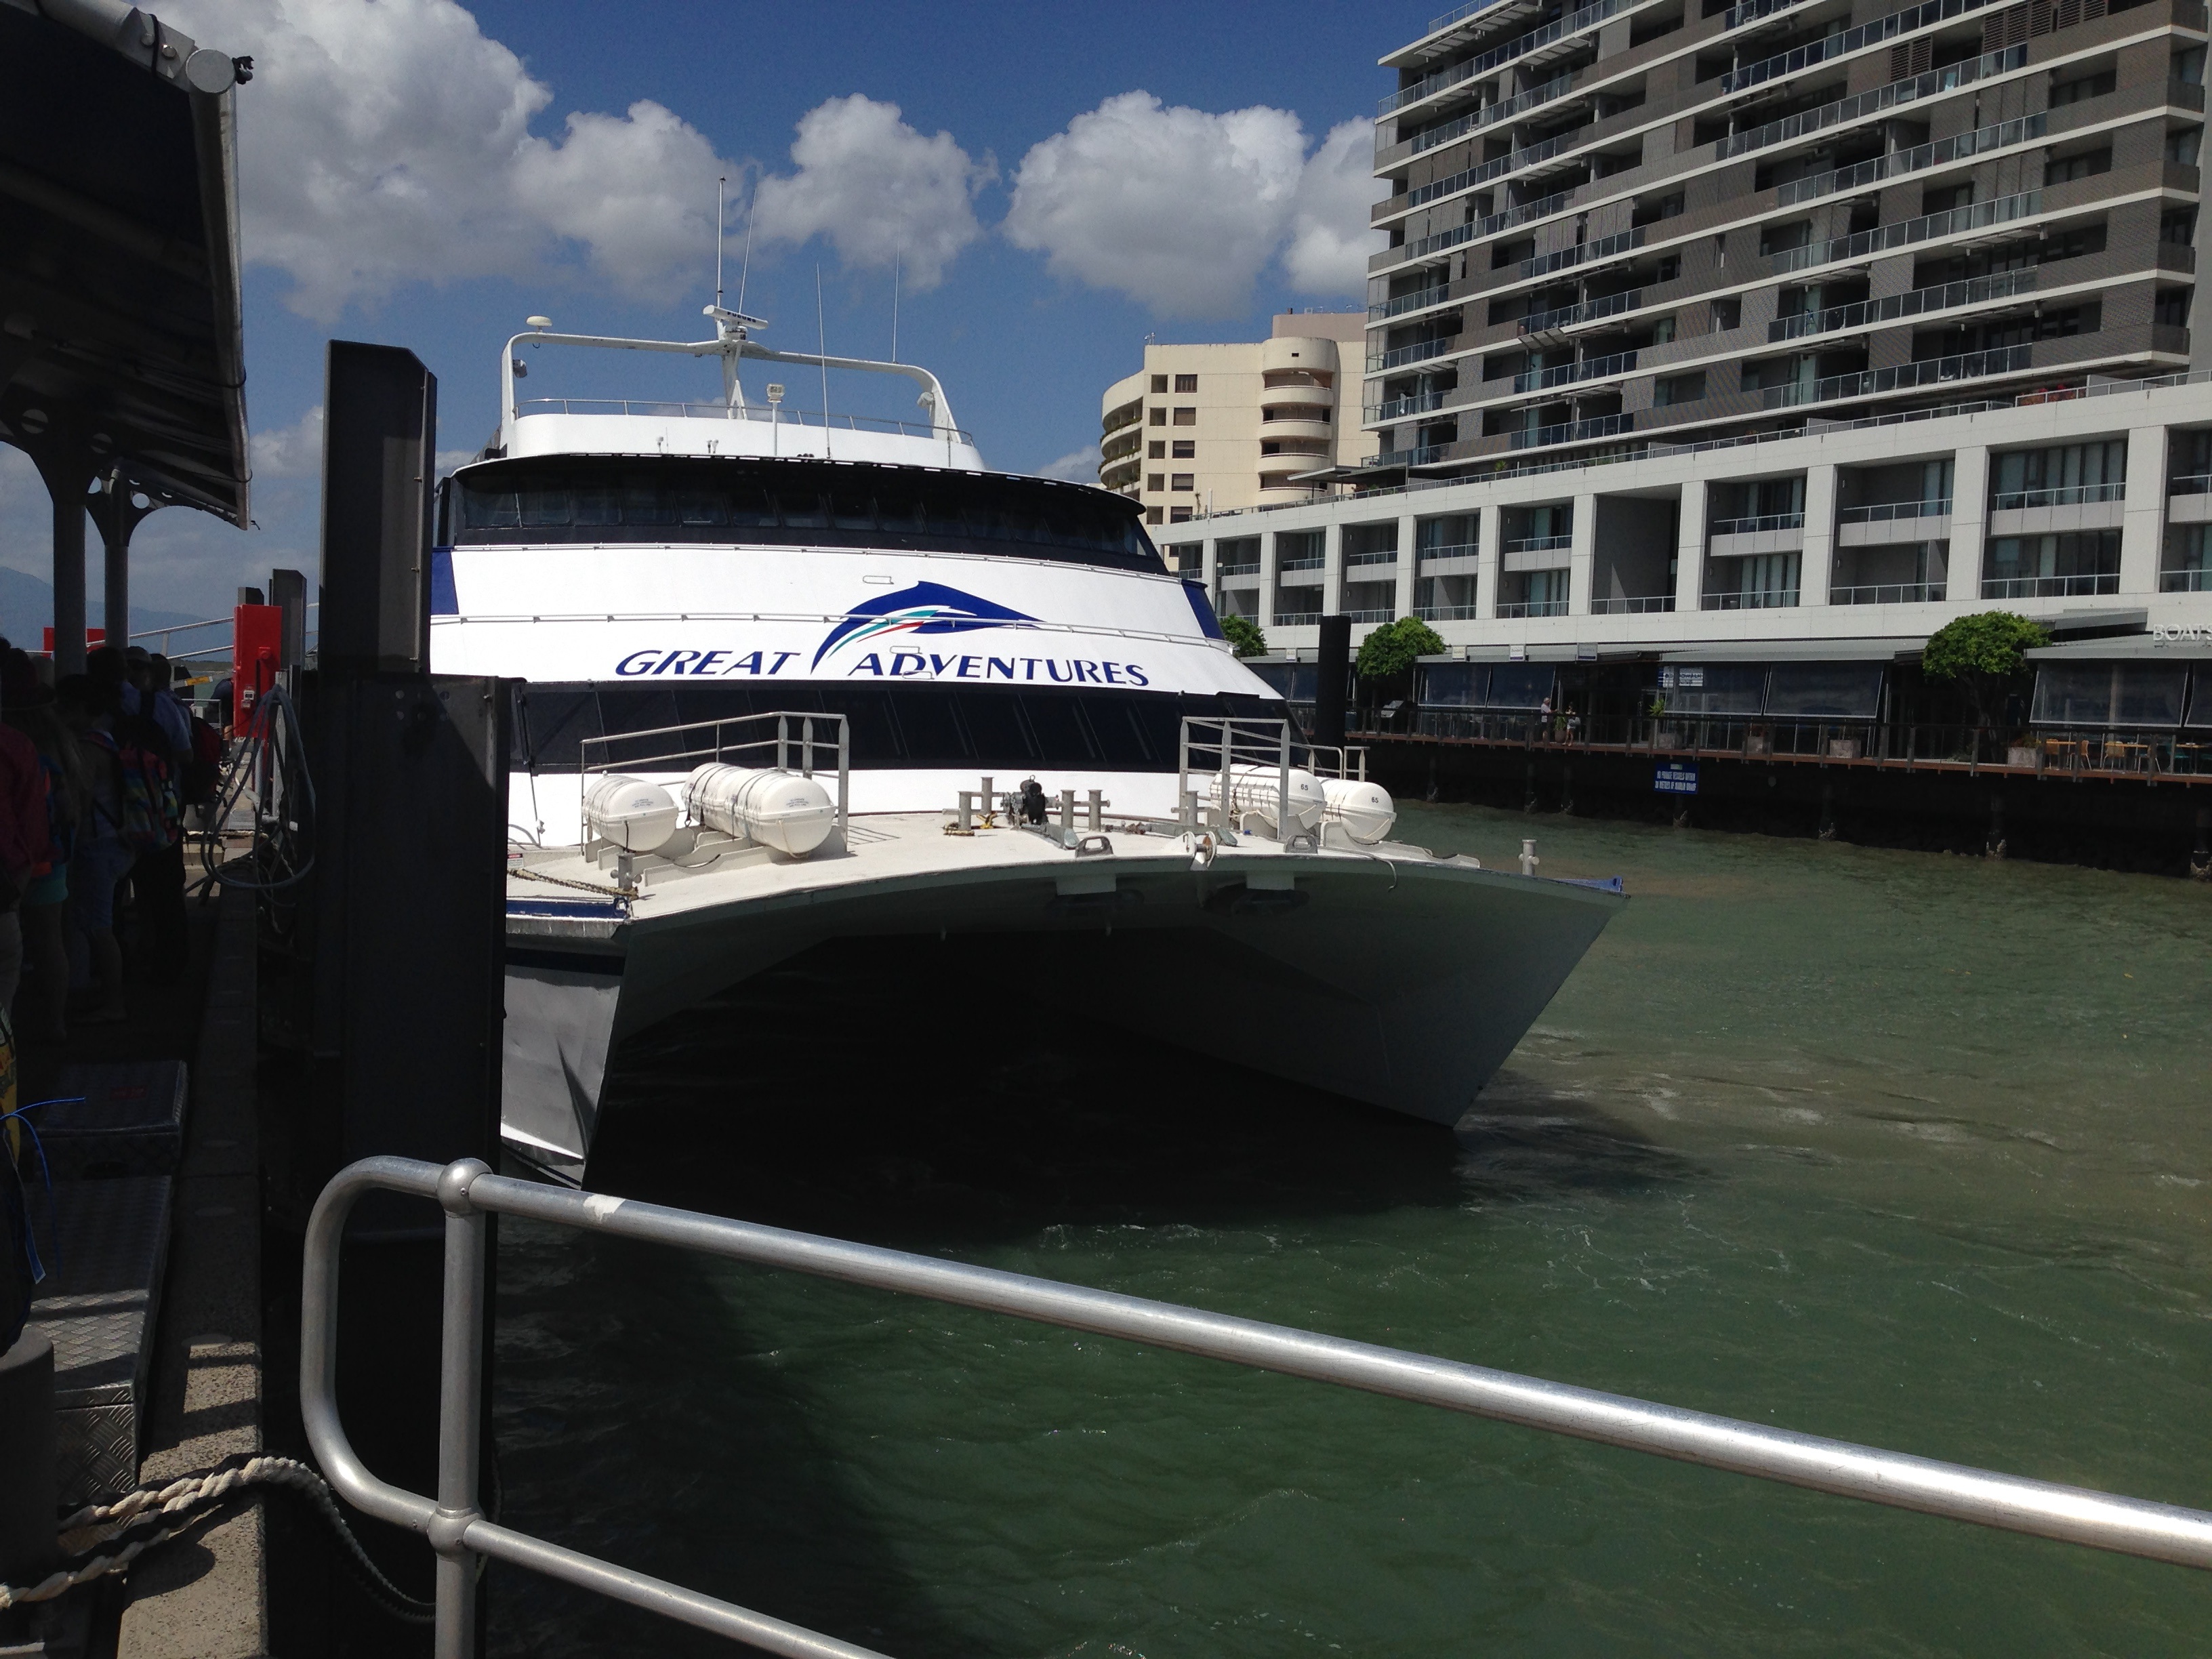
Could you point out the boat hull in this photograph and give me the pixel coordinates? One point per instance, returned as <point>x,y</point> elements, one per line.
<point>1401,981</point>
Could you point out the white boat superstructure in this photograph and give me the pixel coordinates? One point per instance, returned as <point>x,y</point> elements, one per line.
<point>789,680</point>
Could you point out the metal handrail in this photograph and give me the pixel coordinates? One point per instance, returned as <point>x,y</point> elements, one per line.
<point>1248,743</point>
<point>769,415</point>
<point>690,752</point>
<point>458,1530</point>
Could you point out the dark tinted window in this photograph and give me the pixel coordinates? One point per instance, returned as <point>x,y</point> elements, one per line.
<point>595,499</point>
<point>1000,730</point>
<point>1824,691</point>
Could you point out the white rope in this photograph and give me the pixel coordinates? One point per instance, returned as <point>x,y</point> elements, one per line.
<point>101,1524</point>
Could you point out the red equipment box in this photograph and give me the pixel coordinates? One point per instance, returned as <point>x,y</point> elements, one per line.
<point>257,637</point>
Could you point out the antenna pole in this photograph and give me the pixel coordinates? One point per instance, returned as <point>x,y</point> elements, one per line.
<point>896,260</point>
<point>746,269</point>
<point>822,357</point>
<point>721,218</point>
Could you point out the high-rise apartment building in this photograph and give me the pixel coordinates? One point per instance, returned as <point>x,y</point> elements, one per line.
<point>1215,427</point>
<point>1794,326</point>
<point>1677,220</point>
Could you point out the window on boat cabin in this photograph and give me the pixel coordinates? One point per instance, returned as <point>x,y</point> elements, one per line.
<point>914,723</point>
<point>590,501</point>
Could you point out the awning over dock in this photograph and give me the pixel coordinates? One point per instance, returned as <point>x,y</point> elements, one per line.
<point>122,344</point>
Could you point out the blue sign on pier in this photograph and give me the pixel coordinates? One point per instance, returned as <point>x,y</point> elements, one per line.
<point>1675,778</point>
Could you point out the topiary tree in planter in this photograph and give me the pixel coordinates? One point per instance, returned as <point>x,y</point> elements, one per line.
<point>1385,663</point>
<point>1984,653</point>
<point>1244,636</point>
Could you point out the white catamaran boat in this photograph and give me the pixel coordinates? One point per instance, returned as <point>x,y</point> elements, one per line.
<point>792,678</point>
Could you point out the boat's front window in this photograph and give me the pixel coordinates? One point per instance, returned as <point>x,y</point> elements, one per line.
<point>1001,729</point>
<point>601,500</point>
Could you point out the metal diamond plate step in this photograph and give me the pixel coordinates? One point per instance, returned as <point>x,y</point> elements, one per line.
<point>130,1121</point>
<point>98,1306</point>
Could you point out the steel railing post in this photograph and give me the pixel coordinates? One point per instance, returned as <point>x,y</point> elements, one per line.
<point>460,1412</point>
<point>1283,786</point>
<point>844,771</point>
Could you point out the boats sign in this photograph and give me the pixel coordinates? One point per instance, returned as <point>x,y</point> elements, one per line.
<point>1675,778</point>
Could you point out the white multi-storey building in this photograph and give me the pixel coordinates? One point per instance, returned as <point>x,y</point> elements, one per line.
<point>1213,429</point>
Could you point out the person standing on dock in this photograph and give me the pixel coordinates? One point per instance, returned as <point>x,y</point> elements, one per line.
<point>23,848</point>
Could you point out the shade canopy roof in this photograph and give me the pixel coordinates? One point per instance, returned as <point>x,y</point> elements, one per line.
<point>120,308</point>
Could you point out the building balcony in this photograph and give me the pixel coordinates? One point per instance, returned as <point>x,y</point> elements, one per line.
<point>1447,613</point>
<point>1398,408</point>
<point>1890,593</point>
<point>1785,534</point>
<point>1768,598</point>
<point>1302,561</point>
<point>1532,608</point>
<point>1593,368</point>
<point>1632,604</point>
<point>2189,499</point>
<point>1887,522</point>
<point>1537,44</point>
<point>1933,84</point>
<point>1298,619</point>
<point>2014,501</point>
<point>1604,426</point>
<point>1548,322</point>
<point>1867,313</point>
<point>1420,351</point>
<point>2049,588</point>
<point>2104,514</point>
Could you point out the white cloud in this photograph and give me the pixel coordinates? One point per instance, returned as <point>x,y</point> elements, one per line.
<point>1174,207</point>
<point>876,190</point>
<point>389,142</point>
<point>1182,211</point>
<point>1077,466</point>
<point>291,452</point>
<point>1330,238</point>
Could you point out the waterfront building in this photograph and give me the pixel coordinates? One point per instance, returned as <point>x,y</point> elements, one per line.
<point>1207,428</point>
<point>1791,326</point>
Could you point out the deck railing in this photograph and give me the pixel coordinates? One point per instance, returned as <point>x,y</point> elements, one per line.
<point>459,1531</point>
<point>760,740</point>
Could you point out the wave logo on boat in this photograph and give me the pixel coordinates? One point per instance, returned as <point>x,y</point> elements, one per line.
<point>925,608</point>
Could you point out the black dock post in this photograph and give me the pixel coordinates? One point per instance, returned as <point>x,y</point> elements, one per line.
<point>384,980</point>
<point>1332,681</point>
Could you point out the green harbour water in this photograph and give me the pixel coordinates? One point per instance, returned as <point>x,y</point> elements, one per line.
<point>1910,1150</point>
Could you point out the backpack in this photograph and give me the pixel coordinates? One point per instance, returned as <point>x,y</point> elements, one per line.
<point>150,814</point>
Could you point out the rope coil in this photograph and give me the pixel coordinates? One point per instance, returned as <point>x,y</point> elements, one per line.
<point>184,1502</point>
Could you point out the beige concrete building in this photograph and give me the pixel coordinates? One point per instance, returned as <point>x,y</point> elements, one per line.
<point>1216,428</point>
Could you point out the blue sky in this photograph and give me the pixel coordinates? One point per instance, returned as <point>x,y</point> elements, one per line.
<point>426,174</point>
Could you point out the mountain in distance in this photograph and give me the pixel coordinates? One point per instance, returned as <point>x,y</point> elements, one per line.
<point>27,611</point>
